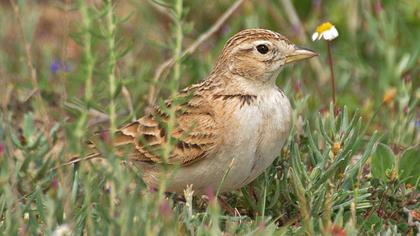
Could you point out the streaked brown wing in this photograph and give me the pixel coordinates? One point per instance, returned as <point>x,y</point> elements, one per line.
<point>194,134</point>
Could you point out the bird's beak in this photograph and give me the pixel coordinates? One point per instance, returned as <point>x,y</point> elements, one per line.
<point>300,54</point>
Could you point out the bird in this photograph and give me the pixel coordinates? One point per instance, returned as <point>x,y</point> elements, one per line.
<point>225,130</point>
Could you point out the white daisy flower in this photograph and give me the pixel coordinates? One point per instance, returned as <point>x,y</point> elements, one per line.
<point>325,30</point>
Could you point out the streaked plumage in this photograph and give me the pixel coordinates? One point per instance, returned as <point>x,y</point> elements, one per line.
<point>237,113</point>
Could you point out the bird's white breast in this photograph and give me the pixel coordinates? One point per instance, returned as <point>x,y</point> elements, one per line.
<point>262,129</point>
<point>253,136</point>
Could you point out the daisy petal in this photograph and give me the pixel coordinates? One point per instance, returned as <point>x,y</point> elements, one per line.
<point>315,36</point>
<point>327,35</point>
<point>334,32</point>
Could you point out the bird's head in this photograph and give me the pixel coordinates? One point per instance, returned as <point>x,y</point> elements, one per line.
<point>259,54</point>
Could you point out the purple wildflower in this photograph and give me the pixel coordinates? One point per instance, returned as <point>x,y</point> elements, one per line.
<point>54,67</point>
<point>58,66</point>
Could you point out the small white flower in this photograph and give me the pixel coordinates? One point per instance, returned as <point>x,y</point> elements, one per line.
<point>325,30</point>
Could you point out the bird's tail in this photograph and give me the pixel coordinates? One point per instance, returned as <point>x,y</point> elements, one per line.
<point>92,144</point>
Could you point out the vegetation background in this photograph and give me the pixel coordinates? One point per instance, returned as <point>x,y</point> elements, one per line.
<point>69,68</point>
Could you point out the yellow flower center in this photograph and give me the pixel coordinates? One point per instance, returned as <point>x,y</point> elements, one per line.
<point>324,27</point>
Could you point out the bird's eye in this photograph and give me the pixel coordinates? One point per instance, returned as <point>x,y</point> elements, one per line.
<point>262,48</point>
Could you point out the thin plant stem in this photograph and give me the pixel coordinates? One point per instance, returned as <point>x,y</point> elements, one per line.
<point>219,188</point>
<point>87,53</point>
<point>178,7</point>
<point>111,26</point>
<point>89,65</point>
<point>112,60</point>
<point>326,217</point>
<point>264,202</point>
<point>330,61</point>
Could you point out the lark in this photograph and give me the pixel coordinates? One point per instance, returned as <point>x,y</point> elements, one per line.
<point>230,126</point>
